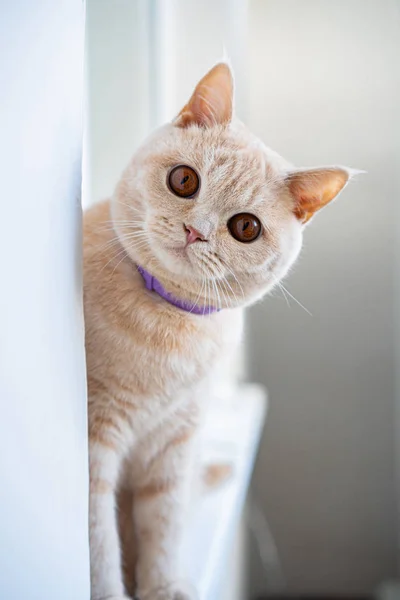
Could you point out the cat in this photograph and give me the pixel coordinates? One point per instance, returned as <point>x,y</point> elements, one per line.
<point>204,221</point>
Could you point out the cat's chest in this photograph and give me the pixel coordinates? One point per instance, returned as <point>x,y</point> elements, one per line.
<point>174,357</point>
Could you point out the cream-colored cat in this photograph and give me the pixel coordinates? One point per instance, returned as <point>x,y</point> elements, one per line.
<point>204,221</point>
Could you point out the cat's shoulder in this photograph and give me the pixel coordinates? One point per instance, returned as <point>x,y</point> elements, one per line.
<point>96,220</point>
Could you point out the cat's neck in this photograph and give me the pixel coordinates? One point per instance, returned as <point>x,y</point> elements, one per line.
<point>155,285</point>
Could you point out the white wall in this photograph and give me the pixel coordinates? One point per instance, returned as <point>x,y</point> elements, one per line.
<point>324,88</point>
<point>43,430</point>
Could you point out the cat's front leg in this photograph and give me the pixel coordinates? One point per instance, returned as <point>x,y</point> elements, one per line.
<point>105,562</point>
<point>160,505</point>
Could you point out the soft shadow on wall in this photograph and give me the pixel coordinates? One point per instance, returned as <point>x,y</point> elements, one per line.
<point>324,88</point>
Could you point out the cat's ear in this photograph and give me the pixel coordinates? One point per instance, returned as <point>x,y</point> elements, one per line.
<point>212,100</point>
<point>312,189</point>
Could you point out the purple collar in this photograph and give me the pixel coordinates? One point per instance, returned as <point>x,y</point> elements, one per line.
<point>154,285</point>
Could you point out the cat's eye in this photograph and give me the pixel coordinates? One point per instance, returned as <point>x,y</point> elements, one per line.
<point>183,181</point>
<point>245,227</point>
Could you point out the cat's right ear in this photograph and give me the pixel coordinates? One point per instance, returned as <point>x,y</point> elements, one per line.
<point>212,100</point>
<point>312,189</point>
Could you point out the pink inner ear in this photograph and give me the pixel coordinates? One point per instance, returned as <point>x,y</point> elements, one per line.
<point>212,100</point>
<point>314,189</point>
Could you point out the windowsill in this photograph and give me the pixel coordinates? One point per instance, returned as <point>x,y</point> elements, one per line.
<point>231,435</point>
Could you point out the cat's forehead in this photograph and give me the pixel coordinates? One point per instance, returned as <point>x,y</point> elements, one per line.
<point>232,162</point>
<point>222,156</point>
<point>233,166</point>
<point>217,147</point>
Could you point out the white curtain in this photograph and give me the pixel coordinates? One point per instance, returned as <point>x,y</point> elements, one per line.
<point>43,425</point>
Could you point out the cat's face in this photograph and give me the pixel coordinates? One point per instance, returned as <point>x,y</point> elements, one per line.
<point>205,206</point>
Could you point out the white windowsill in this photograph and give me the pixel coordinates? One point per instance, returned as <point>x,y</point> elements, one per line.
<point>232,435</point>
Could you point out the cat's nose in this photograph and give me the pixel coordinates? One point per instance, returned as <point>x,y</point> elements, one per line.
<point>193,235</point>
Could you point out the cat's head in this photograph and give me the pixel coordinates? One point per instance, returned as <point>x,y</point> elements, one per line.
<point>209,210</point>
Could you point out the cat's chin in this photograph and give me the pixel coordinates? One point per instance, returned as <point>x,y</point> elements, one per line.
<point>175,259</point>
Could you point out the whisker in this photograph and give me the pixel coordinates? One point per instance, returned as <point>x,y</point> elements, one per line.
<point>122,251</point>
<point>283,293</point>
<point>291,296</point>
<point>112,221</point>
<point>121,238</point>
<point>211,301</point>
<point>224,291</point>
<point>219,282</point>
<point>235,278</point>
<point>131,247</point>
<point>210,275</point>
<point>127,205</point>
<point>226,294</point>
<point>219,304</point>
<point>198,295</point>
<point>129,235</point>
<point>208,294</point>
<point>126,224</point>
<point>219,276</point>
<point>225,282</point>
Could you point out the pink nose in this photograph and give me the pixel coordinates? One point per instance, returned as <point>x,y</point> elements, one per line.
<point>192,235</point>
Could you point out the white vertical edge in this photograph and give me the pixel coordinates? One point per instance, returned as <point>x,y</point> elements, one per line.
<point>43,431</point>
<point>162,19</point>
<point>87,189</point>
<point>236,17</point>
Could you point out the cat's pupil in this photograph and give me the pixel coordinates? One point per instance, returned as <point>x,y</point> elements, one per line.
<point>245,226</point>
<point>184,180</point>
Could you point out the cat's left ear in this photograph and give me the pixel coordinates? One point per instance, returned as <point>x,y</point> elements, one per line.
<point>312,189</point>
<point>212,100</point>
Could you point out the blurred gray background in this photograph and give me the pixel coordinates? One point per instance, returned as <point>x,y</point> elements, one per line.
<point>324,88</point>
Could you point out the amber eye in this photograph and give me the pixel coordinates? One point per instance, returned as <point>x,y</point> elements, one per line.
<point>244,227</point>
<point>183,181</point>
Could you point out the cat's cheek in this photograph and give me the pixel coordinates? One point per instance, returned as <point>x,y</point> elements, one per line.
<point>290,246</point>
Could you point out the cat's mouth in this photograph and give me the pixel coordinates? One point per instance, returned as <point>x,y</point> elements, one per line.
<point>177,255</point>
<point>181,251</point>
<point>182,255</point>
